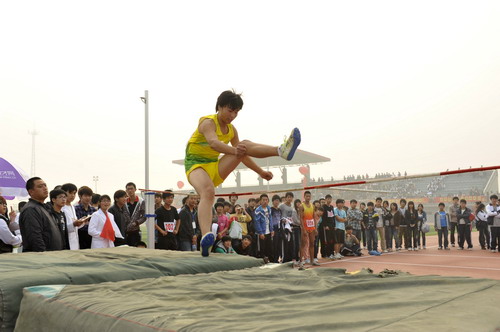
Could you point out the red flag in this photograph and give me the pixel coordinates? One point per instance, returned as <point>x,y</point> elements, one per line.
<point>107,231</point>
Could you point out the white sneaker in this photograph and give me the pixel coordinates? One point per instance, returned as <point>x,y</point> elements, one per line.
<point>469,248</point>
<point>425,248</point>
<point>315,260</point>
<point>288,148</point>
<point>386,250</point>
<point>332,257</point>
<point>307,261</point>
<point>415,249</point>
<point>338,256</point>
<point>410,249</point>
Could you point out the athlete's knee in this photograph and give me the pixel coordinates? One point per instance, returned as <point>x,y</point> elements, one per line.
<point>207,191</point>
<point>246,143</point>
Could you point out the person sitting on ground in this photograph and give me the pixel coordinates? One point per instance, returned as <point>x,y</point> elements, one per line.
<point>245,246</point>
<point>224,246</point>
<point>351,243</point>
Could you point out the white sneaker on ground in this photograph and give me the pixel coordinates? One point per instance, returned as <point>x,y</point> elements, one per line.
<point>338,256</point>
<point>415,249</point>
<point>332,257</point>
<point>469,248</point>
<point>385,250</point>
<point>307,261</point>
<point>410,249</point>
<point>315,260</point>
<point>288,148</point>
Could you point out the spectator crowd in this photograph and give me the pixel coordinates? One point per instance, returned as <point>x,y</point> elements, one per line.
<point>277,228</point>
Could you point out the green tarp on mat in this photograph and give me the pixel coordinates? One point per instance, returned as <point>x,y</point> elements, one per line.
<point>99,265</point>
<point>268,299</point>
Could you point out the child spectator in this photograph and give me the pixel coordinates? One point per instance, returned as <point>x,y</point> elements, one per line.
<point>392,220</point>
<point>411,218</point>
<point>362,208</point>
<point>354,219</point>
<point>245,246</point>
<point>464,225</point>
<point>351,244</point>
<point>238,225</point>
<point>224,246</point>
<point>327,229</point>
<point>340,221</point>
<point>493,211</point>
<point>441,225</point>
<point>263,228</point>
<point>370,224</point>
<point>422,218</point>
<point>308,229</point>
<point>482,226</point>
<point>222,220</point>
<point>102,226</point>
<point>275,226</point>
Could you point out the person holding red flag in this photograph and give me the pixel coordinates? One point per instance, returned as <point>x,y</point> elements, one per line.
<point>102,226</point>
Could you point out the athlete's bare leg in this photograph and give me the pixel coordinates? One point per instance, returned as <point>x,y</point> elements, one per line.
<point>204,186</point>
<point>258,150</point>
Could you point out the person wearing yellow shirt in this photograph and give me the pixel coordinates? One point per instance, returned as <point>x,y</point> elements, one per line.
<point>205,170</point>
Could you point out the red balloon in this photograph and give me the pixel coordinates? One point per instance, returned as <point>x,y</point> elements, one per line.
<point>180,184</point>
<point>303,170</point>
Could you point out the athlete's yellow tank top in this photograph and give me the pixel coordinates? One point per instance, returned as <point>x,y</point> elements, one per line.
<point>198,151</point>
<point>308,221</point>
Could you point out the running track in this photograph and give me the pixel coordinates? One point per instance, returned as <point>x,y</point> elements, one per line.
<point>476,263</point>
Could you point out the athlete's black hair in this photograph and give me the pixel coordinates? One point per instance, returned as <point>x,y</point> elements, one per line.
<point>230,99</point>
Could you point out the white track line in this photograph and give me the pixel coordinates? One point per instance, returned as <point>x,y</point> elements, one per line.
<point>444,255</point>
<point>436,265</point>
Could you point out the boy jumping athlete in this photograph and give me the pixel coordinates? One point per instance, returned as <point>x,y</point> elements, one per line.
<point>205,170</point>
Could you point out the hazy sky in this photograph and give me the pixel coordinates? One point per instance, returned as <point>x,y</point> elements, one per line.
<point>374,85</point>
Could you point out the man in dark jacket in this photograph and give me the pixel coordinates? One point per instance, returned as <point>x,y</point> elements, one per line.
<point>38,229</point>
<point>186,236</point>
<point>463,219</point>
<point>57,202</point>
